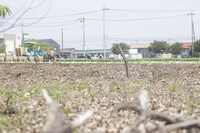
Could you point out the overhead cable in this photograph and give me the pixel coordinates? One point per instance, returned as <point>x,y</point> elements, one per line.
<point>143,19</point>
<point>77,14</point>
<point>162,10</point>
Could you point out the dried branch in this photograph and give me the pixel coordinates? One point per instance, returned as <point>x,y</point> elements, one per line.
<point>125,60</point>
<point>56,120</point>
<point>81,119</point>
<point>150,114</point>
<point>172,124</point>
<point>180,125</point>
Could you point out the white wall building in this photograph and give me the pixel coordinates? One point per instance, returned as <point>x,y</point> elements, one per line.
<point>140,50</point>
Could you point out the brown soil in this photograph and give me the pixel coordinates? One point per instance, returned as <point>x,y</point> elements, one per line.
<point>173,89</point>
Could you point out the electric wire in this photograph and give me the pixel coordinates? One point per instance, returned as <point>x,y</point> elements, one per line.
<point>163,10</point>
<point>143,19</point>
<point>16,12</point>
<point>37,21</point>
<point>15,21</point>
<point>29,8</point>
<point>38,4</point>
<point>51,25</point>
<point>61,16</point>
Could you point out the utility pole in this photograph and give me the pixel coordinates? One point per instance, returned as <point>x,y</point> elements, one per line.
<point>84,45</point>
<point>62,39</point>
<point>104,36</point>
<point>22,31</point>
<point>192,31</point>
<point>104,32</point>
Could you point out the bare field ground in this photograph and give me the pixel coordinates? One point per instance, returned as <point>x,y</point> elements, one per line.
<point>173,89</point>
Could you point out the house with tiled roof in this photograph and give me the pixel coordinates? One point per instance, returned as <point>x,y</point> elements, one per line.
<point>140,49</point>
<point>186,49</point>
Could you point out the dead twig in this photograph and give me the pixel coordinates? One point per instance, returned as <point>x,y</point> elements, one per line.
<point>149,114</point>
<point>181,125</point>
<point>56,120</point>
<point>125,60</point>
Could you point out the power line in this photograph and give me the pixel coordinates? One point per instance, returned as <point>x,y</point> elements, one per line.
<point>16,20</point>
<point>77,14</point>
<point>51,24</point>
<point>50,5</point>
<point>143,19</point>
<point>16,12</point>
<point>65,24</point>
<point>163,10</point>
<point>39,4</point>
<point>29,8</point>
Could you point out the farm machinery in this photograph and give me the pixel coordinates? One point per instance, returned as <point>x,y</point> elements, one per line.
<point>28,54</point>
<point>31,53</point>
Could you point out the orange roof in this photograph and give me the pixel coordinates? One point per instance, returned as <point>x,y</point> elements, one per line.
<point>186,44</point>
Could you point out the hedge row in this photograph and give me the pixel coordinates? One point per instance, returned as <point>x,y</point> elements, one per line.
<point>130,60</point>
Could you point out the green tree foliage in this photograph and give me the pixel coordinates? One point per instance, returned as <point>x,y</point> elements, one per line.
<point>4,10</point>
<point>42,46</point>
<point>124,47</point>
<point>196,49</point>
<point>2,49</point>
<point>159,47</point>
<point>176,48</point>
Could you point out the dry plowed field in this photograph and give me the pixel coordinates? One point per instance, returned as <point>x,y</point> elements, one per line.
<point>173,89</point>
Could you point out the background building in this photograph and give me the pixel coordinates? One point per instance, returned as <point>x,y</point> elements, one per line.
<point>140,50</point>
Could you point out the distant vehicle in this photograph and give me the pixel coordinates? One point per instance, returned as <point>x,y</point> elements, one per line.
<point>30,50</point>
<point>65,56</point>
<point>86,57</point>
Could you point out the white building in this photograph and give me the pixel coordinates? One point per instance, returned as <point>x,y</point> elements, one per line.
<point>140,50</point>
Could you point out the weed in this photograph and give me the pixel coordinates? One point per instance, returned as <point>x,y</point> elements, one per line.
<point>74,131</point>
<point>81,86</point>
<point>91,93</point>
<point>74,87</point>
<point>190,105</point>
<point>115,86</point>
<point>55,95</point>
<point>65,112</point>
<point>175,86</point>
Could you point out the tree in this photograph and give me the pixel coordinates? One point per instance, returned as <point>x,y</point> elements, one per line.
<point>159,47</point>
<point>42,46</point>
<point>176,48</point>
<point>4,10</point>
<point>124,47</point>
<point>2,49</point>
<point>196,49</point>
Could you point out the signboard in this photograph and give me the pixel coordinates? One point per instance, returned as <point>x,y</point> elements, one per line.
<point>10,46</point>
<point>26,37</point>
<point>18,40</point>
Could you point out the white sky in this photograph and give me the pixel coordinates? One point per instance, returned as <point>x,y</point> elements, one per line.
<point>124,29</point>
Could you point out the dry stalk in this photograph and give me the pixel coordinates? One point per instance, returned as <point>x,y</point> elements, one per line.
<point>56,120</point>
<point>172,124</point>
<point>125,60</point>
